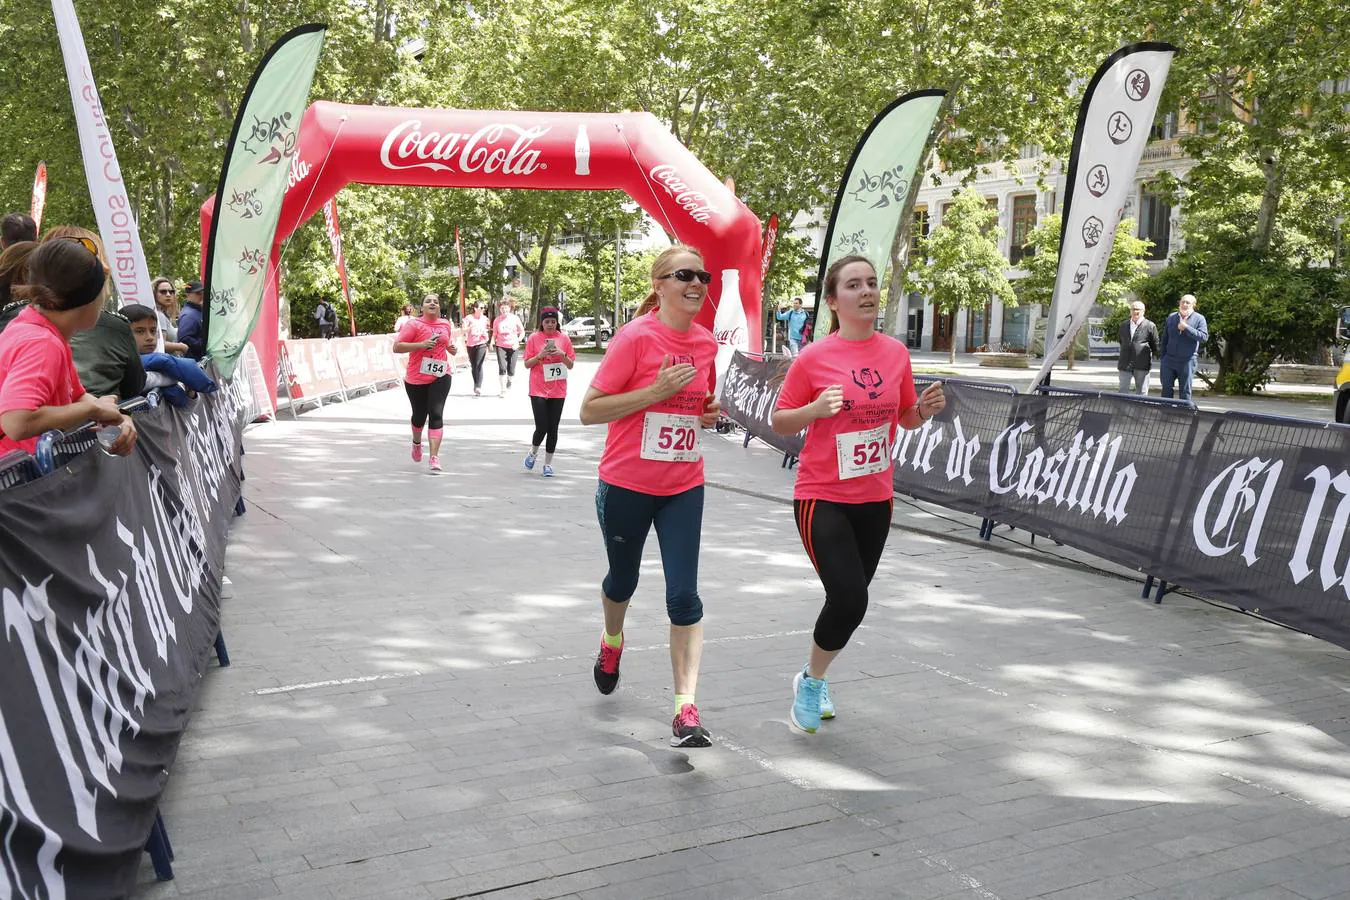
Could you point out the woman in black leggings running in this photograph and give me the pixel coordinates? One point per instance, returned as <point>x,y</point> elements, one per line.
<point>549,357</point>
<point>427,341</point>
<point>850,392</point>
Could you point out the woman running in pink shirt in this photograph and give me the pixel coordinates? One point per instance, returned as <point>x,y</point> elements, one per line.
<point>507,330</point>
<point>427,341</point>
<point>850,392</point>
<point>654,388</point>
<point>477,332</point>
<point>549,357</point>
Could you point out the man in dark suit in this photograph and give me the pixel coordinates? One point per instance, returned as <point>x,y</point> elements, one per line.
<point>1138,345</point>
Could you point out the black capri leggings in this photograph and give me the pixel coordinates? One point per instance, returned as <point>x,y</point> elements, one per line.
<point>476,357</point>
<point>428,401</point>
<point>506,361</point>
<point>844,541</point>
<point>547,415</point>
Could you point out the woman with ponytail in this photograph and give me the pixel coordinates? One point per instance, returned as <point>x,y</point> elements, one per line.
<point>654,390</point>
<point>39,387</point>
<point>851,391</point>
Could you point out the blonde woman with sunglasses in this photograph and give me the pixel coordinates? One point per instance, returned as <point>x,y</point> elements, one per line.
<point>654,390</point>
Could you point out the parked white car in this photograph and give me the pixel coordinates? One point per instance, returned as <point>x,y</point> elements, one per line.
<point>583,328</point>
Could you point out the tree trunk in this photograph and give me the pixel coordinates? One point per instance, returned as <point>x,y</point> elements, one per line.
<point>1270,201</point>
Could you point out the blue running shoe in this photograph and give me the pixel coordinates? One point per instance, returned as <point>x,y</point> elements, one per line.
<point>826,704</point>
<point>529,462</point>
<point>805,714</point>
<point>548,471</point>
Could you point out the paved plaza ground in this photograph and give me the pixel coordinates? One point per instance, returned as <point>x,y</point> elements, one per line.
<point>410,712</point>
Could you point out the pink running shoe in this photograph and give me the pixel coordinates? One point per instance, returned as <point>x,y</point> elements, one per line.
<point>435,463</point>
<point>417,452</point>
<point>687,731</point>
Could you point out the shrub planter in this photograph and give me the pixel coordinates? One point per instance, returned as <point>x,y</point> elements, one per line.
<point>1004,360</point>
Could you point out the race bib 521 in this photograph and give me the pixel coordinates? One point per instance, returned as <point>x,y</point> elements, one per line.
<point>863,452</point>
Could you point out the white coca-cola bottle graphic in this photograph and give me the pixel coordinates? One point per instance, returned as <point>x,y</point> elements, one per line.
<point>583,151</point>
<point>729,325</point>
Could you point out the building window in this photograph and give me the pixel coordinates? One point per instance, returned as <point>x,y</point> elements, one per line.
<point>1029,151</point>
<point>1155,224</point>
<point>1164,126</point>
<point>920,229</point>
<point>1023,221</point>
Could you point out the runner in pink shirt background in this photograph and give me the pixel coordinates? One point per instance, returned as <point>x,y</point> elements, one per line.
<point>654,389</point>
<point>477,333</point>
<point>507,331</point>
<point>549,357</point>
<point>850,391</point>
<point>427,341</point>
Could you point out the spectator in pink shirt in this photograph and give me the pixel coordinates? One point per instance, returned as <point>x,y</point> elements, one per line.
<point>39,387</point>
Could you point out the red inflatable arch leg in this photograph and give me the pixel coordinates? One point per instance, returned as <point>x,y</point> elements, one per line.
<point>631,152</point>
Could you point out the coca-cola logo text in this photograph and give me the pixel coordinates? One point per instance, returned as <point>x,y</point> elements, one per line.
<point>486,150</point>
<point>696,203</point>
<point>731,337</point>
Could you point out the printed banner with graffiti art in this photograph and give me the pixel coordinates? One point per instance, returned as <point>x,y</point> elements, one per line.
<point>1242,508</point>
<point>1114,121</point>
<point>110,584</point>
<point>877,182</point>
<point>252,186</point>
<point>770,242</point>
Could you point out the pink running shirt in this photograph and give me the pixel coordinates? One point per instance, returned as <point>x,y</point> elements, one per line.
<point>631,362</point>
<point>549,378</point>
<point>847,457</point>
<point>419,330</point>
<point>507,331</point>
<point>36,370</point>
<point>477,328</point>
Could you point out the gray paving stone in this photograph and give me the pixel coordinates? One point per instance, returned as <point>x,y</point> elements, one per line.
<point>1010,725</point>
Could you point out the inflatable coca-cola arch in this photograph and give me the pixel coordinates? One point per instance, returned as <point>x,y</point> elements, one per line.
<point>631,152</point>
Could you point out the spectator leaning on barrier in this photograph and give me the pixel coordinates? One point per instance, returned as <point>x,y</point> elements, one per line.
<point>1183,333</point>
<point>165,372</point>
<point>39,387</point>
<point>1138,345</point>
<point>17,228</point>
<point>105,355</point>
<point>191,332</point>
<point>167,311</point>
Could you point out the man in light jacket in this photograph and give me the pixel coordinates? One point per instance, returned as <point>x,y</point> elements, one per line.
<point>1138,345</point>
<point>1183,333</point>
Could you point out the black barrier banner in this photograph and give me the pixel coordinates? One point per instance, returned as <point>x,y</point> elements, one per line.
<point>1252,510</point>
<point>110,579</point>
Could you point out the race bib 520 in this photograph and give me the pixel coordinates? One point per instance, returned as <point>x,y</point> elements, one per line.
<point>670,438</point>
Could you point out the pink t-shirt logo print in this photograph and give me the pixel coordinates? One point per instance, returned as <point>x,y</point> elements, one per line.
<point>870,380</point>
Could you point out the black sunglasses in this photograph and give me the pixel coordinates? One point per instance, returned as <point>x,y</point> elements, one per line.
<point>688,275</point>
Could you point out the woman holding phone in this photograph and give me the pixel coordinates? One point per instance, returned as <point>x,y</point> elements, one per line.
<point>549,357</point>
<point>427,341</point>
